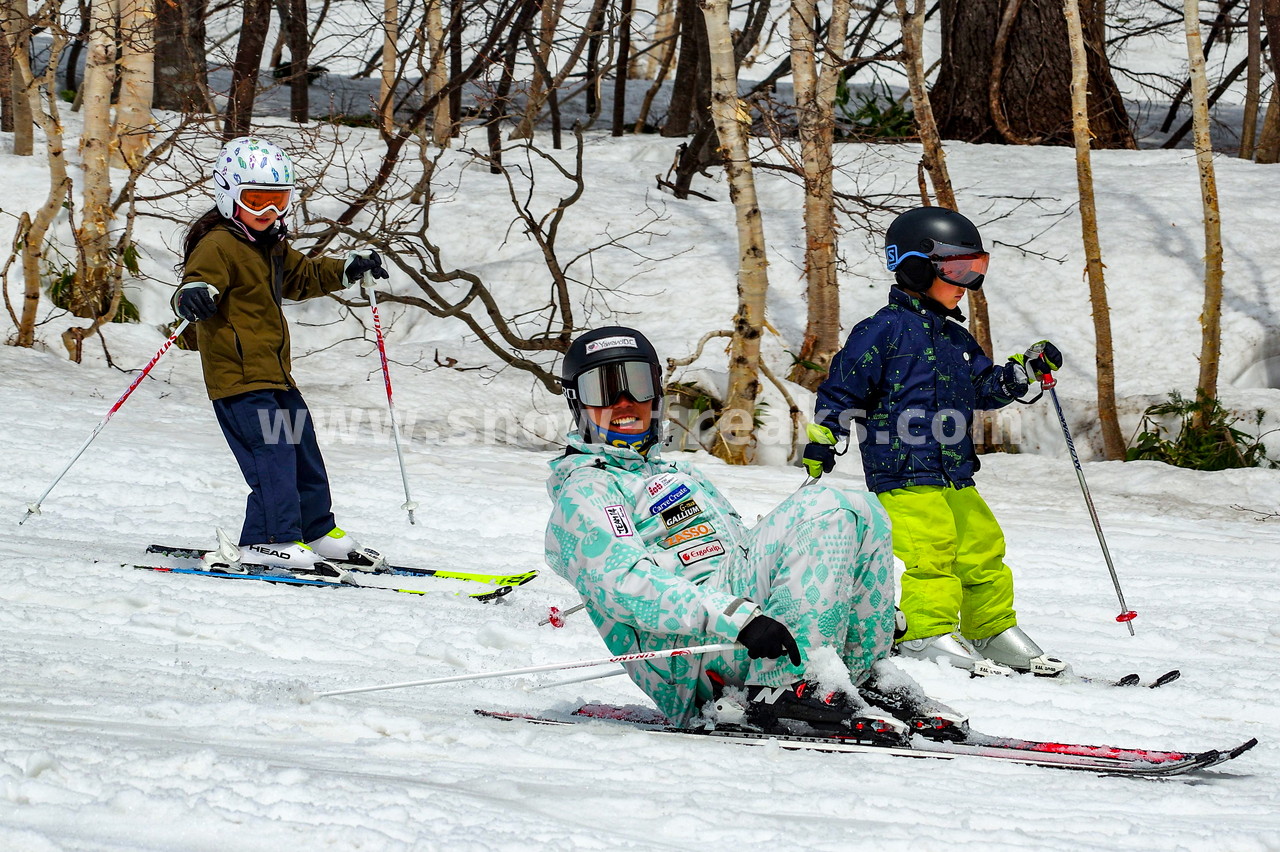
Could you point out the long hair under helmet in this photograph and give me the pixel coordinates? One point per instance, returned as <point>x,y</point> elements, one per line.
<point>599,367</point>
<point>930,242</point>
<point>254,174</point>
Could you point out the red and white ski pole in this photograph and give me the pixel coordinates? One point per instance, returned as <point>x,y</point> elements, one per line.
<point>34,508</point>
<point>549,667</point>
<point>1126,616</point>
<point>408,505</point>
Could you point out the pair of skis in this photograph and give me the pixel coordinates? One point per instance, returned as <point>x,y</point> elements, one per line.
<point>1102,760</point>
<point>360,574</point>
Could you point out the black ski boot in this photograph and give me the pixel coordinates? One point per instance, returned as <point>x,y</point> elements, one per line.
<point>805,709</point>
<point>892,690</point>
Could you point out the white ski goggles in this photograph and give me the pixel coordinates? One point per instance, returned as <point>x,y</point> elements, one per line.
<point>261,199</point>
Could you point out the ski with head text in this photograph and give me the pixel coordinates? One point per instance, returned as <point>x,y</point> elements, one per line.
<point>364,567</point>
<point>339,579</point>
<point>1102,760</point>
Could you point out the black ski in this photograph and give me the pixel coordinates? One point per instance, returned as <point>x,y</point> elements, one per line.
<point>1102,760</point>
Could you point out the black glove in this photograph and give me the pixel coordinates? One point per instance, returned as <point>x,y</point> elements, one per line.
<point>1040,358</point>
<point>767,637</point>
<point>360,262</point>
<point>195,302</point>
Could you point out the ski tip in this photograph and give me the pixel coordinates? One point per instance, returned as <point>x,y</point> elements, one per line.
<point>1167,677</point>
<point>1129,680</point>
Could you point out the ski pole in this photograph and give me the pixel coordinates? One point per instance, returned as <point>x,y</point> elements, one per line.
<point>34,508</point>
<point>408,505</point>
<point>1048,382</point>
<point>556,616</point>
<point>549,667</point>
<point>580,679</point>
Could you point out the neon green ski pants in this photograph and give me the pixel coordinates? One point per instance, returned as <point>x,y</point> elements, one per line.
<point>955,574</point>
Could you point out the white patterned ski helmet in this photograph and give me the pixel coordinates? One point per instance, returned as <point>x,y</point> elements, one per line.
<point>256,164</point>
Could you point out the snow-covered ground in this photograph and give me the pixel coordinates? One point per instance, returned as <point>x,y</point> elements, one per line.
<point>140,711</point>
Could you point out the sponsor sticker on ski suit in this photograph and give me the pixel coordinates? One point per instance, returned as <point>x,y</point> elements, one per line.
<point>656,485</point>
<point>678,514</point>
<point>619,521</point>
<point>699,552</point>
<point>666,502</point>
<point>689,534</point>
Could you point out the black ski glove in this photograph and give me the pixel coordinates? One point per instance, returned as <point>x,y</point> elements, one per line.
<point>767,637</point>
<point>362,261</point>
<point>195,301</point>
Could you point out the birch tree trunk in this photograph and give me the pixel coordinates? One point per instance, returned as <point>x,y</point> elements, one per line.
<point>386,92</point>
<point>815,93</point>
<point>92,288</point>
<point>736,425</point>
<point>1211,313</point>
<point>1253,82</point>
<point>18,25</point>
<point>137,82</point>
<point>1112,440</point>
<point>438,74</point>
<point>540,88</point>
<point>40,98</point>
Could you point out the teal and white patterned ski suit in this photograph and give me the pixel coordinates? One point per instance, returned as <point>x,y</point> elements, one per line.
<point>662,560</point>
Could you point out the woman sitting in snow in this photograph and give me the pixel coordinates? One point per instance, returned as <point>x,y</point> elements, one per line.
<point>661,560</point>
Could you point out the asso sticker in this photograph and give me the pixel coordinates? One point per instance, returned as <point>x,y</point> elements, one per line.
<point>695,531</point>
<point>619,521</point>
<point>678,514</point>
<point>610,343</point>
<point>699,552</point>
<point>654,486</point>
<point>676,495</point>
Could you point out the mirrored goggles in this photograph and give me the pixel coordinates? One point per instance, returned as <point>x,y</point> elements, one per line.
<point>604,385</point>
<point>959,265</point>
<point>261,199</point>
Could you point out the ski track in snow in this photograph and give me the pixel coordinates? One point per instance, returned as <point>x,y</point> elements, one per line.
<point>140,711</point>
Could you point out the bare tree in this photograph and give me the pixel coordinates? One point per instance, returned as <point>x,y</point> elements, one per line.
<point>386,94</point>
<point>137,81</point>
<point>94,282</point>
<point>42,102</point>
<point>437,74</point>
<point>254,24</point>
<point>736,426</point>
<point>180,66</point>
<point>17,23</point>
<point>1211,314</point>
<point>1112,440</point>
<point>1253,82</point>
<point>816,64</point>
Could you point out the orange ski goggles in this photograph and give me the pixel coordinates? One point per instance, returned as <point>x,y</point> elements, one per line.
<point>262,199</point>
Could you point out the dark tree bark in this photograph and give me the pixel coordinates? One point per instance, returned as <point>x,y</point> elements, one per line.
<point>244,72</point>
<point>455,64</point>
<point>181,75</point>
<point>1034,84</point>
<point>622,69</point>
<point>6,87</point>
<point>293,19</point>
<point>692,73</point>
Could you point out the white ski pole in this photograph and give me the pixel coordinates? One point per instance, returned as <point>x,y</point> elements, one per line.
<point>549,667</point>
<point>1126,616</point>
<point>579,679</point>
<point>409,505</point>
<point>34,508</point>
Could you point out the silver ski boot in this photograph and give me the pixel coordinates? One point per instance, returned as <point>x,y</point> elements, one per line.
<point>954,651</point>
<point>1015,649</point>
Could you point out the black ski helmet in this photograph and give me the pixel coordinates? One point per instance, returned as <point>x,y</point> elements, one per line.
<point>919,237</point>
<point>612,344</point>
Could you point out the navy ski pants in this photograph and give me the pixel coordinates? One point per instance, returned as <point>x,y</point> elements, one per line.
<point>271,434</point>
